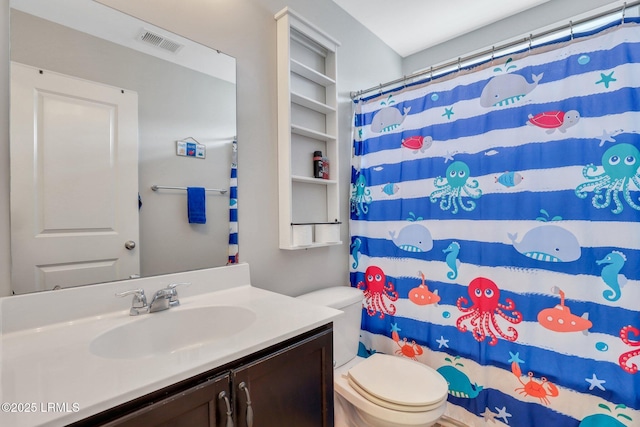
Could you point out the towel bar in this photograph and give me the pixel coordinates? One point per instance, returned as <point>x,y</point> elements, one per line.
<point>164,187</point>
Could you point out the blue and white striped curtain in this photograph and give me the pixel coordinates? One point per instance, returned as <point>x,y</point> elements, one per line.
<point>234,256</point>
<point>495,234</point>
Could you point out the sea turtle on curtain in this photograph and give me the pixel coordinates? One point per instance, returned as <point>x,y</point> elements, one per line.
<point>417,143</point>
<point>552,120</point>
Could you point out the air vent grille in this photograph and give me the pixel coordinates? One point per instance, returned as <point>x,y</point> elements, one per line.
<point>151,38</point>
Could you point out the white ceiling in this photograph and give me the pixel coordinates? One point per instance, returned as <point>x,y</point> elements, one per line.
<point>409,26</point>
<point>104,22</point>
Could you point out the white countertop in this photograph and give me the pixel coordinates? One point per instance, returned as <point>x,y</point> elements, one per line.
<point>49,370</point>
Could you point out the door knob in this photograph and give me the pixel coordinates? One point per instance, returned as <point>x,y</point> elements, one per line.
<point>129,244</point>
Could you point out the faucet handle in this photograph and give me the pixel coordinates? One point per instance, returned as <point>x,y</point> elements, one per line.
<point>173,300</point>
<point>139,302</point>
<point>175,285</point>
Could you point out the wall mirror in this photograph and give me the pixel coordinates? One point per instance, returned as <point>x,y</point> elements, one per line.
<point>183,91</point>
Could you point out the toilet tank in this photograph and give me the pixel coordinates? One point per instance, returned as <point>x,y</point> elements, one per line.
<point>346,327</point>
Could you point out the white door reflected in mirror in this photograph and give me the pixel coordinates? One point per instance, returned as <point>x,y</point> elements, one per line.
<point>74,183</point>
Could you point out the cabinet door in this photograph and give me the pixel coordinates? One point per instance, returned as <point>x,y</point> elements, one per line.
<point>198,406</point>
<point>292,387</point>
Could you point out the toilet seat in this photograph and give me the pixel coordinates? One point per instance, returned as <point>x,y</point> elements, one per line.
<point>362,412</point>
<point>398,384</point>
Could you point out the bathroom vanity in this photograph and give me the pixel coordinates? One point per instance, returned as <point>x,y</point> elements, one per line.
<point>229,352</point>
<point>287,384</point>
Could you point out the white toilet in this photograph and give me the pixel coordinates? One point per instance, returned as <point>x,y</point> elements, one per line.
<point>381,390</point>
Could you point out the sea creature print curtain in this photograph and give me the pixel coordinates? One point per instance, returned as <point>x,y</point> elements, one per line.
<point>234,256</point>
<point>495,233</point>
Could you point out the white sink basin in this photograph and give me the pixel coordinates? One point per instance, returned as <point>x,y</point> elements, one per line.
<point>171,330</point>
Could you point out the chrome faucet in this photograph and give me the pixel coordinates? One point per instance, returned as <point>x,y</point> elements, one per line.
<point>166,298</point>
<point>163,299</point>
<point>139,303</point>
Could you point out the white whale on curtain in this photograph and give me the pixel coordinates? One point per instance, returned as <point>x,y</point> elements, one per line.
<point>388,119</point>
<point>548,243</point>
<point>506,89</point>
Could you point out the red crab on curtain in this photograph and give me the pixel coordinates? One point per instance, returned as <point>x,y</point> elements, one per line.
<point>482,314</point>
<point>375,290</point>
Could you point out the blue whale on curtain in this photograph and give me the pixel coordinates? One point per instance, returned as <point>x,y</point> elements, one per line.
<point>548,243</point>
<point>413,238</point>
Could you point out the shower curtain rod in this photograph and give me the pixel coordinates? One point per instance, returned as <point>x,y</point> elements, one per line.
<point>494,49</point>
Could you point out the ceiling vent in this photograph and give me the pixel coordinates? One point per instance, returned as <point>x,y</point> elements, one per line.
<point>153,39</point>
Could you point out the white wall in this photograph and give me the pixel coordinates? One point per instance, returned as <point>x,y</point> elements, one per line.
<point>552,13</point>
<point>5,250</point>
<point>246,30</point>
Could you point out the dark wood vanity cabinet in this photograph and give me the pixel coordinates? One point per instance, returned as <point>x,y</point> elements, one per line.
<point>289,384</point>
<point>197,406</point>
<point>292,387</point>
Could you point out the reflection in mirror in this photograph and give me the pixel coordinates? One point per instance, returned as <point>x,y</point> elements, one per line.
<point>184,92</point>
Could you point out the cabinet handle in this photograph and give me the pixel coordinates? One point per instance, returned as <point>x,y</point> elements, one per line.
<point>243,386</point>
<point>223,395</point>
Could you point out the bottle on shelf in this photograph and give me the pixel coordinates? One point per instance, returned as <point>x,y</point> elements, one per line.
<point>320,165</point>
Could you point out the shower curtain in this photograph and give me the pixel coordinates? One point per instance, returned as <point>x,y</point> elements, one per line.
<point>233,207</point>
<point>495,232</point>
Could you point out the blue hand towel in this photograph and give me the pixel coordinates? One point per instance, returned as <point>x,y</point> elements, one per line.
<point>196,206</point>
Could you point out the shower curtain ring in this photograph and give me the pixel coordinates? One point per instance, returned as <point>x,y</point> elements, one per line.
<point>571,28</point>
<point>493,53</point>
<point>530,40</point>
<point>431,75</point>
<point>624,10</point>
<point>459,63</point>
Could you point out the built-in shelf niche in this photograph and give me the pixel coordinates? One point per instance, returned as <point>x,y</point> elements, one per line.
<point>307,122</point>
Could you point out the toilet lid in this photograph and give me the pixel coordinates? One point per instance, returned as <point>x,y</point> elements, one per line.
<point>397,383</point>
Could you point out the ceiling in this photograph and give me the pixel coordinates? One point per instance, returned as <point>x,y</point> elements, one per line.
<point>409,26</point>
<point>101,21</point>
